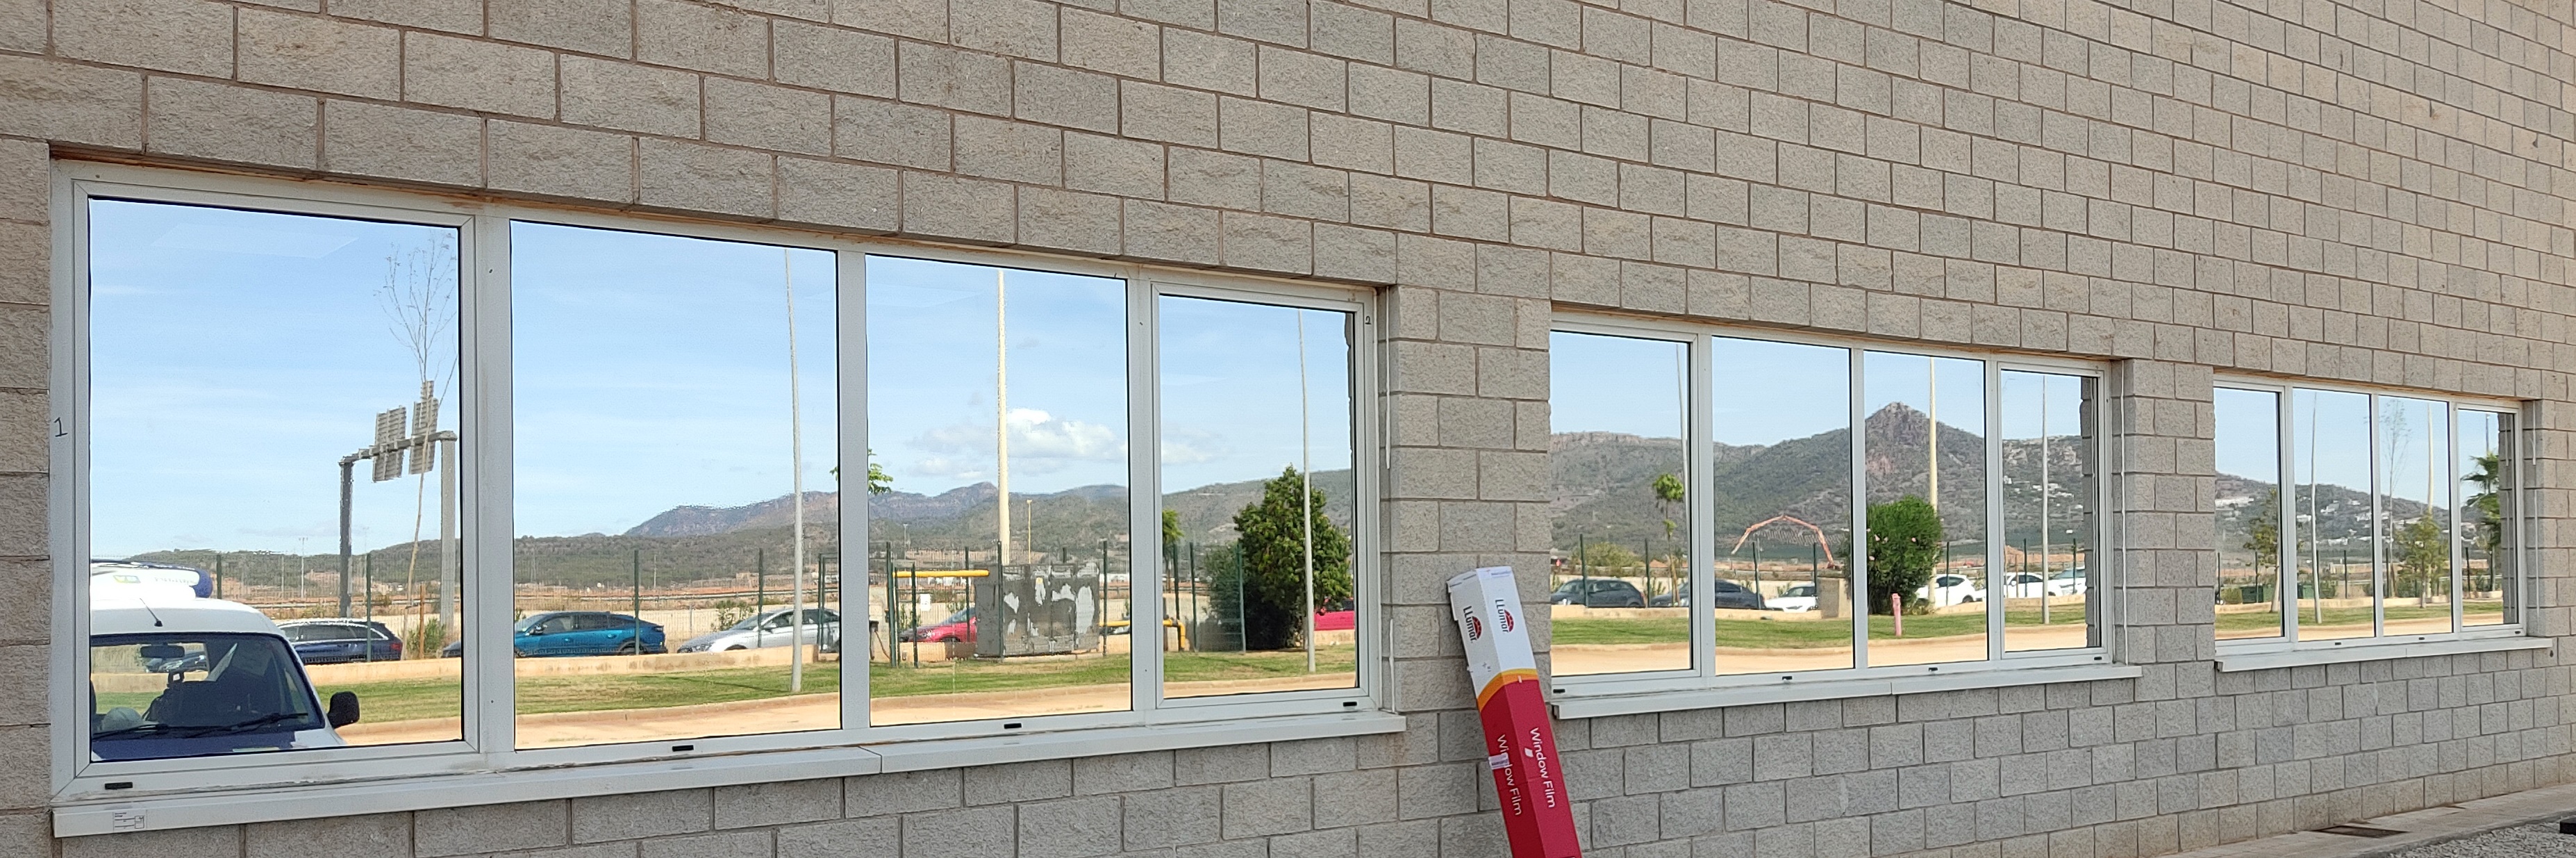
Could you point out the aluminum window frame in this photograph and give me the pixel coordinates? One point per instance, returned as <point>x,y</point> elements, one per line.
<point>1701,685</point>
<point>2518,427</point>
<point>486,746</point>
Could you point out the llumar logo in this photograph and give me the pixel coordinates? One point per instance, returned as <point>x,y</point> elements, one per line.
<point>1503,618</point>
<point>1475,626</point>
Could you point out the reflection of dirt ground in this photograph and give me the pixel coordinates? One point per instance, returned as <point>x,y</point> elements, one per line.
<point>813,712</point>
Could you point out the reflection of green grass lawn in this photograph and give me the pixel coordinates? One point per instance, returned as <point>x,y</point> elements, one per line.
<point>2354,616</point>
<point>404,700</point>
<point>1795,634</point>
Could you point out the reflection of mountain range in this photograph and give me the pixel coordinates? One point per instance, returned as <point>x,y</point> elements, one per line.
<point>2340,512</point>
<point>1603,481</point>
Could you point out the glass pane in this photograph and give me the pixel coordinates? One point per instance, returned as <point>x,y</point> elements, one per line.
<point>2486,469</point>
<point>1255,398</point>
<point>1780,433</point>
<point>672,394</point>
<point>1620,520</point>
<point>236,359</point>
<point>1001,560</point>
<point>2331,507</point>
<point>2050,460</point>
<point>2415,515</point>
<point>1926,534</point>
<point>2248,501</point>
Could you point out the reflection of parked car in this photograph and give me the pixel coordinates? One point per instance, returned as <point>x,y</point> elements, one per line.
<point>1598,593</point>
<point>772,628</point>
<point>959,626</point>
<point>2026,585</point>
<point>1728,594</point>
<point>189,677</point>
<point>1948,589</point>
<point>1800,597</point>
<point>337,641</point>
<point>574,633</point>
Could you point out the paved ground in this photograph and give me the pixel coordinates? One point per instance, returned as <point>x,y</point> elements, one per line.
<point>2499,827</point>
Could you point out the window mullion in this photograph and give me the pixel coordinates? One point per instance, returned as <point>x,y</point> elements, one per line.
<point>851,270</point>
<point>485,488</point>
<point>2285,474</point>
<point>1702,508</point>
<point>1856,560</point>
<point>1144,503</point>
<point>2378,528</point>
<point>1998,587</point>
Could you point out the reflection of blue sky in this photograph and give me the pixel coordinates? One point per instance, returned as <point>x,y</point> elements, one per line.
<point>2032,400</point>
<point>2414,448</point>
<point>931,376</point>
<point>1954,389</point>
<point>1602,383</point>
<point>235,357</point>
<point>651,372</point>
<point>2249,440</point>
<point>1229,390</point>
<point>2331,433</point>
<point>1767,392</point>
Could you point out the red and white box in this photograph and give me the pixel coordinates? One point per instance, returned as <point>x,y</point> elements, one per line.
<point>1520,745</point>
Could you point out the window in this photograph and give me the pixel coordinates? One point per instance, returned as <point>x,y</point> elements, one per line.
<point>2402,519</point>
<point>387,486</point>
<point>1955,528</point>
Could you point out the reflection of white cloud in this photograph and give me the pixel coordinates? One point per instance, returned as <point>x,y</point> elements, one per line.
<point>1191,447</point>
<point>1040,444</point>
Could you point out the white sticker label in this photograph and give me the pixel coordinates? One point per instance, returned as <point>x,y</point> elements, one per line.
<point>125,820</point>
<point>1498,761</point>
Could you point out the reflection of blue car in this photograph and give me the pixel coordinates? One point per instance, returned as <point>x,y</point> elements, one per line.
<point>341,641</point>
<point>571,633</point>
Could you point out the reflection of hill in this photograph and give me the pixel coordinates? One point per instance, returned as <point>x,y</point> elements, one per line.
<point>2339,512</point>
<point>1603,481</point>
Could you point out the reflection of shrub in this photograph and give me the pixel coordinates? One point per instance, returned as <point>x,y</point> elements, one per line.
<point>426,639</point>
<point>731,611</point>
<point>1904,546</point>
<point>1270,559</point>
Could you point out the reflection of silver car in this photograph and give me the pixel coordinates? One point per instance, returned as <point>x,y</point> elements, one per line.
<point>772,628</point>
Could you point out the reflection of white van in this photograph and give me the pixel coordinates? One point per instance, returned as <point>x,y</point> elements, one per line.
<point>173,675</point>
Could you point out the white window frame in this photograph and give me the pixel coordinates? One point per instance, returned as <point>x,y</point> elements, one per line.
<point>2285,649</point>
<point>484,766</point>
<point>1702,686</point>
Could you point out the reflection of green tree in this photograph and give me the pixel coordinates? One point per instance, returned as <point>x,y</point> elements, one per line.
<point>1606,559</point>
<point>2423,556</point>
<point>1904,546</point>
<point>1668,491</point>
<point>2263,534</point>
<point>1273,562</point>
<point>2486,506</point>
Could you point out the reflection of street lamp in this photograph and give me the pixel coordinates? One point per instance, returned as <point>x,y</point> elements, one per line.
<point>1305,486</point>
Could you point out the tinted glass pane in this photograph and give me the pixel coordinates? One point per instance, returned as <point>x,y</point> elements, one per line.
<point>1619,530</point>
<point>2488,595</point>
<point>2050,462</point>
<point>1926,543</point>
<point>1780,439</point>
<point>2330,503</point>
<point>2415,515</point>
<point>1256,410</point>
<point>1001,560</point>
<point>236,358</point>
<point>670,395</point>
<point>2248,501</point>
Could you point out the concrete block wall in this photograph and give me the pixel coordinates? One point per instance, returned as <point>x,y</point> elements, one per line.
<point>2362,190</point>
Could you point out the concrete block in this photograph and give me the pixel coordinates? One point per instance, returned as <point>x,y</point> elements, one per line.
<point>233,123</point>
<point>560,162</point>
<point>1276,21</point>
<point>1270,806</point>
<point>1215,179</point>
<point>1171,233</point>
<point>768,117</point>
<point>961,209</point>
<point>24,414</point>
<point>1304,79</point>
<point>489,828</point>
<point>779,803</point>
<point>1353,253</point>
<point>954,79</point>
<point>478,75</point>
<point>855,838</point>
<point>1166,114</point>
<point>1014,151</point>
<point>360,139</point>
<point>830,193</point>
<point>700,178</point>
<point>905,792</point>
<point>1171,817</point>
<point>1352,32</point>
<point>373,834</point>
<point>1436,156</point>
<point>55,100</point>
<point>919,19</point>
<point>1108,43</point>
<point>832,58</point>
<point>211,840</point>
<point>639,815</point>
<point>1267,243</point>
<point>1070,828</point>
<point>1065,220</point>
<point>1121,773</point>
<point>1261,128</point>
<point>455,16</point>
<point>605,27</point>
<point>1073,99</point>
<point>731,844</point>
<point>1019,28</point>
<point>1390,94</point>
<point>1202,61</point>
<point>306,52</point>
<point>185,36</point>
<point>1302,191</point>
<point>705,38</point>
<point>1395,204</point>
<point>891,133</point>
<point>629,97</point>
<point>1112,165</point>
<point>976,832</point>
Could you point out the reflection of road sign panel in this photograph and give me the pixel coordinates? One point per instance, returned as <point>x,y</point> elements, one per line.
<point>389,431</point>
<point>424,420</point>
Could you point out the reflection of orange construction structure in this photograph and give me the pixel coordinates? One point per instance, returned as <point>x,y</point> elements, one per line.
<point>1811,528</point>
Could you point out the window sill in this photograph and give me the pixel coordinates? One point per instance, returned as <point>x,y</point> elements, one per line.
<point>317,800</point>
<point>2374,651</point>
<point>1590,706</point>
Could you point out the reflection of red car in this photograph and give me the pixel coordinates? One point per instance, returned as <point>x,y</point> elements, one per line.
<point>1336,621</point>
<point>959,626</point>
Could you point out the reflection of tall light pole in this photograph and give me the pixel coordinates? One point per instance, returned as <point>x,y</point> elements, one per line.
<point>795,483</point>
<point>1002,422</point>
<point>1305,486</point>
<point>2043,500</point>
<point>299,566</point>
